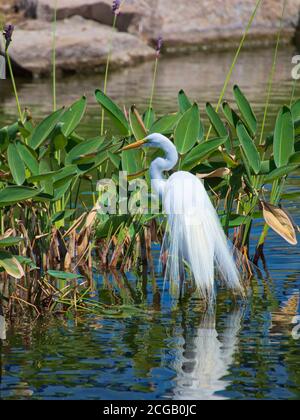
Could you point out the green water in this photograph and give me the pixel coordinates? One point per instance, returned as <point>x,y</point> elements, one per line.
<point>169,350</point>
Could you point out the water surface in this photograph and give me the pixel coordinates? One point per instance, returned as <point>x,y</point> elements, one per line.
<point>170,350</point>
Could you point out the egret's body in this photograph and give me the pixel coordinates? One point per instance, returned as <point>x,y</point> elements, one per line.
<point>194,234</point>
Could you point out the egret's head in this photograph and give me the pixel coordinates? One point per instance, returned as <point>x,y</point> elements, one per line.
<point>155,140</point>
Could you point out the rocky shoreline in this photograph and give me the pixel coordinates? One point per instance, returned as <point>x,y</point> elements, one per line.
<point>84,30</point>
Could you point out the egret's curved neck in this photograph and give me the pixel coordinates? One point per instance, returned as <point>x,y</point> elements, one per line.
<point>160,165</point>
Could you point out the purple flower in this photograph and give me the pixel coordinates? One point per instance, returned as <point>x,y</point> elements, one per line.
<point>7,33</point>
<point>159,46</point>
<point>116,6</point>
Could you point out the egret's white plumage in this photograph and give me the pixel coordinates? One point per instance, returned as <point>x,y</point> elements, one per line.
<point>194,234</point>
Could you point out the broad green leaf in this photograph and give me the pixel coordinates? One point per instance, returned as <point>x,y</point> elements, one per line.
<point>296,110</point>
<point>165,124</point>
<point>83,149</point>
<point>149,118</point>
<point>113,111</point>
<point>115,159</point>
<point>62,215</point>
<point>10,241</point>
<point>187,130</point>
<point>16,164</point>
<point>184,102</point>
<point>132,161</point>
<point>62,275</point>
<point>246,110</point>
<point>216,121</point>
<point>248,145</point>
<point>47,176</point>
<point>283,137</point>
<point>29,157</point>
<point>72,117</point>
<point>44,129</point>
<point>230,115</point>
<point>279,173</point>
<point>295,158</point>
<point>201,152</point>
<point>11,265</point>
<point>11,195</point>
<point>137,125</point>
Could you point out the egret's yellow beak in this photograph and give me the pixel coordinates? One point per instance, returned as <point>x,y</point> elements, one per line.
<point>135,145</point>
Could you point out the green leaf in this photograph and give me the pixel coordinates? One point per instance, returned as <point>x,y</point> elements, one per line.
<point>295,158</point>
<point>44,129</point>
<point>11,265</point>
<point>246,110</point>
<point>115,159</point>
<point>84,148</point>
<point>16,164</point>
<point>132,161</point>
<point>187,130</point>
<point>137,125</point>
<point>201,152</point>
<point>279,173</point>
<point>62,275</point>
<point>62,215</point>
<point>11,195</point>
<point>72,117</point>
<point>149,118</point>
<point>10,241</point>
<point>296,110</point>
<point>249,148</point>
<point>29,157</point>
<point>113,111</point>
<point>165,124</point>
<point>216,121</point>
<point>184,102</point>
<point>283,137</point>
<point>230,115</point>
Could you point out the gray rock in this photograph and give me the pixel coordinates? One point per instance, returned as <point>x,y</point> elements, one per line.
<point>81,45</point>
<point>199,23</point>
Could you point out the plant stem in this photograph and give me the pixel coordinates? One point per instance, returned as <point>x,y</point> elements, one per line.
<point>54,26</point>
<point>272,73</point>
<point>228,77</point>
<point>152,90</point>
<point>107,70</point>
<point>14,85</point>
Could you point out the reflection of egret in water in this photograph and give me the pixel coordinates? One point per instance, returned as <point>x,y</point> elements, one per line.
<point>206,359</point>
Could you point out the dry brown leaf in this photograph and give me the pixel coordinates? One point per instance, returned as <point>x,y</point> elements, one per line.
<point>75,225</point>
<point>218,173</point>
<point>91,217</point>
<point>280,221</point>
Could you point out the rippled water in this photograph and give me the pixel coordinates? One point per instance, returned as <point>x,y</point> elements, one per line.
<point>170,350</point>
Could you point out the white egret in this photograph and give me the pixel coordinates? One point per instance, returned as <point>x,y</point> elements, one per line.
<point>194,234</point>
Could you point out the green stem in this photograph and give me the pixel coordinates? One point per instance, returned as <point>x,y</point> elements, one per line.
<point>107,70</point>
<point>54,26</point>
<point>14,85</point>
<point>272,73</point>
<point>152,90</point>
<point>228,77</point>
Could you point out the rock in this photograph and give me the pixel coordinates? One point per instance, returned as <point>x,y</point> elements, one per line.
<point>97,10</point>
<point>200,23</point>
<point>81,45</point>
